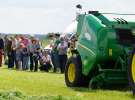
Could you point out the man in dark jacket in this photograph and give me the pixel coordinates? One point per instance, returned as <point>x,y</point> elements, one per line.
<point>10,53</point>
<point>1,50</point>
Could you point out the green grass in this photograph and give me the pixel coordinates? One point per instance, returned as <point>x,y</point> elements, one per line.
<point>41,85</point>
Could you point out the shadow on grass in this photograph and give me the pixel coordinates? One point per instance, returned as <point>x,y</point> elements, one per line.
<point>105,88</point>
<point>82,89</point>
<point>118,89</point>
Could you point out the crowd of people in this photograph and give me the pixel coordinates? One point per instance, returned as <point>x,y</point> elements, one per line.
<point>22,53</point>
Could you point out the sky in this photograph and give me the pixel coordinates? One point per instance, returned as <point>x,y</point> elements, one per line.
<point>43,16</point>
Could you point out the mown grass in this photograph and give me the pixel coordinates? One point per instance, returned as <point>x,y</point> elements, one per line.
<point>50,86</point>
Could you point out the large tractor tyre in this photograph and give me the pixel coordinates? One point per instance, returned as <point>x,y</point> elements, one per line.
<point>131,69</point>
<point>73,72</point>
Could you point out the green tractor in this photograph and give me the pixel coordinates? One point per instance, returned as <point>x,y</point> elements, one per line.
<point>104,54</point>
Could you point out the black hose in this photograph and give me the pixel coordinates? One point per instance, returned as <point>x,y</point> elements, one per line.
<point>117,14</point>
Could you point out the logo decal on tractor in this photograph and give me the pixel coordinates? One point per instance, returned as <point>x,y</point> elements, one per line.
<point>87,36</point>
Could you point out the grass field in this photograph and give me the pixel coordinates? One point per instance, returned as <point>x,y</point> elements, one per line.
<point>51,86</point>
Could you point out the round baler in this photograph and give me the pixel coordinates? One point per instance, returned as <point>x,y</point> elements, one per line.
<point>104,54</point>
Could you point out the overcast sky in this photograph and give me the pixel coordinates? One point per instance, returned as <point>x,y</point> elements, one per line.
<point>42,16</point>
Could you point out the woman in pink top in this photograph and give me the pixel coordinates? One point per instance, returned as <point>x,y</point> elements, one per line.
<point>25,41</point>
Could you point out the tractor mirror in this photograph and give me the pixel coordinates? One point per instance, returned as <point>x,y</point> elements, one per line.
<point>79,6</point>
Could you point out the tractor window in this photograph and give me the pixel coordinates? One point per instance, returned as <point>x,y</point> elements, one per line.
<point>87,33</point>
<point>125,36</point>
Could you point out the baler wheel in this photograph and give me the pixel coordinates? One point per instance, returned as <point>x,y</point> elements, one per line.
<point>73,72</point>
<point>131,69</point>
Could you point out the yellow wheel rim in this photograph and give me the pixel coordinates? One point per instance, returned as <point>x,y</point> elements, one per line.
<point>71,72</point>
<point>133,68</point>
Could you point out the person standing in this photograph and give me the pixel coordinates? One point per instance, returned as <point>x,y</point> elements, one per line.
<point>5,49</point>
<point>31,51</point>
<point>62,49</point>
<point>54,53</point>
<point>34,49</point>
<point>36,57</point>
<point>1,50</point>
<point>25,53</point>
<point>10,54</point>
<point>25,58</point>
<point>17,50</point>
<point>13,50</point>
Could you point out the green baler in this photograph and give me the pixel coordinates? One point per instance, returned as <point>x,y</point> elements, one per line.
<point>104,54</point>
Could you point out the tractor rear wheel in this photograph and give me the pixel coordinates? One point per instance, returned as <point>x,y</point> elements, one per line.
<point>73,72</point>
<point>131,69</point>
